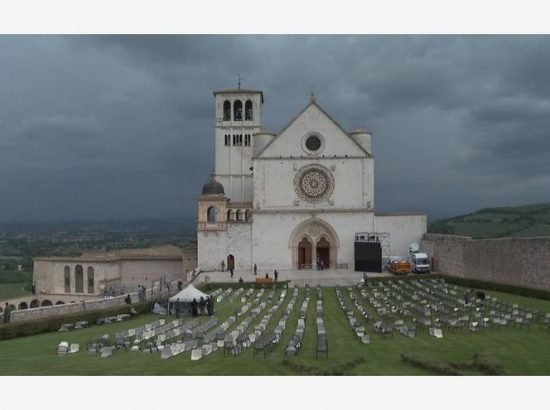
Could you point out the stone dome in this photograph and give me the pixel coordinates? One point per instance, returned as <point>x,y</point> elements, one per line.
<point>213,187</point>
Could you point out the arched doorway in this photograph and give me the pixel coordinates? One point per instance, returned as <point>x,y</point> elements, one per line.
<point>305,253</point>
<point>79,279</point>
<point>23,306</point>
<point>60,302</point>
<point>230,262</point>
<point>314,239</point>
<point>323,253</point>
<point>34,304</point>
<point>47,303</point>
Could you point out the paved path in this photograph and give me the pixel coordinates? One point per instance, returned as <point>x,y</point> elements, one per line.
<point>328,277</point>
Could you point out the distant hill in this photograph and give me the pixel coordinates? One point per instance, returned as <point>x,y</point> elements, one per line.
<point>519,222</point>
<point>176,223</point>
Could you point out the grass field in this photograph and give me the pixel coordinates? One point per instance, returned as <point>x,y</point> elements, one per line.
<point>519,351</point>
<point>12,290</point>
<point>519,222</point>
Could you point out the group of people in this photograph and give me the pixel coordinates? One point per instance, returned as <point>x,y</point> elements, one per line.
<point>320,263</point>
<point>275,275</point>
<point>202,306</point>
<point>141,293</point>
<point>241,280</point>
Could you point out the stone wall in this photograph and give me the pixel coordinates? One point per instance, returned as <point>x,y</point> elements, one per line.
<point>404,229</point>
<point>515,261</point>
<point>69,308</point>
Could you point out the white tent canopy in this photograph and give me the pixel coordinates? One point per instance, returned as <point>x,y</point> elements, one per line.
<point>188,294</point>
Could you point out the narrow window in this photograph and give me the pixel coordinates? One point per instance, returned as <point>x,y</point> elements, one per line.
<point>67,279</point>
<point>226,111</point>
<point>79,279</point>
<point>90,279</point>
<point>248,110</point>
<point>238,111</point>
<point>211,214</point>
<point>227,140</point>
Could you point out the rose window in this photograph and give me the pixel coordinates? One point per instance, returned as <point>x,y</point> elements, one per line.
<point>314,183</point>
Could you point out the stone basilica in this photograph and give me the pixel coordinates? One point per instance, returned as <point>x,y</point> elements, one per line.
<point>290,200</point>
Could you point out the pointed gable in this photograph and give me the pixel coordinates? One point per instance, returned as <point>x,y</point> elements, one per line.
<point>313,119</point>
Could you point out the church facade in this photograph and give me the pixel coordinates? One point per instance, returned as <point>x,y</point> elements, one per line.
<point>290,200</point>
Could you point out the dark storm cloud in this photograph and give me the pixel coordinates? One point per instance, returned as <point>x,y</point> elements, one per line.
<point>123,125</point>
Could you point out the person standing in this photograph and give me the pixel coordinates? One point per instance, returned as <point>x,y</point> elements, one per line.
<point>255,269</point>
<point>194,307</point>
<point>201,305</point>
<point>223,265</point>
<point>7,313</point>
<point>178,308</point>
<point>211,305</point>
<point>231,270</point>
<point>180,285</point>
<point>276,274</point>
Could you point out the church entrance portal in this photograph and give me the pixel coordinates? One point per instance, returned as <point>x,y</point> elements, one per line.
<point>304,254</point>
<point>230,262</point>
<point>313,241</point>
<point>323,253</point>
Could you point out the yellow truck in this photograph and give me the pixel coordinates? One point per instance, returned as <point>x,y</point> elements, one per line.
<point>399,267</point>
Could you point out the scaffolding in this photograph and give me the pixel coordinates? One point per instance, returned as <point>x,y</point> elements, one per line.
<point>377,237</point>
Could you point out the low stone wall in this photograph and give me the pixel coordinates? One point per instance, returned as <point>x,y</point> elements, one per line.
<point>69,308</point>
<point>85,305</point>
<point>515,261</point>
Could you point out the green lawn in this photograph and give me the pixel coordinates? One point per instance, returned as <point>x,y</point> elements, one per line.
<point>519,351</point>
<point>12,290</point>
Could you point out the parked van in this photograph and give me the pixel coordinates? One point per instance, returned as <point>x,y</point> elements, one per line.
<point>420,263</point>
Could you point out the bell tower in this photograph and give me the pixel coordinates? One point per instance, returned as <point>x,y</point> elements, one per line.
<point>238,118</point>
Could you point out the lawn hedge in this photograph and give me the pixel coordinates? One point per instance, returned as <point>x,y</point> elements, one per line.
<point>482,362</point>
<point>52,324</point>
<point>430,363</point>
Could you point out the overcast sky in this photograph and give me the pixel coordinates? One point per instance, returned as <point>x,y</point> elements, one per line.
<point>103,127</point>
